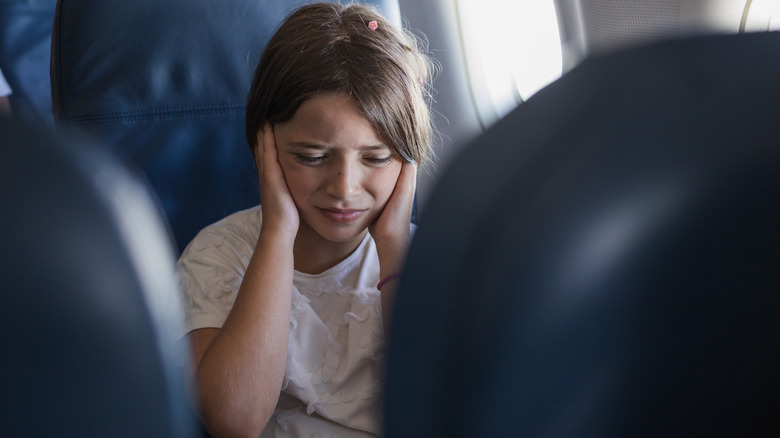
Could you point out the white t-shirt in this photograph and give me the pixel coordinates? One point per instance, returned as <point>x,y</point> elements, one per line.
<point>332,380</point>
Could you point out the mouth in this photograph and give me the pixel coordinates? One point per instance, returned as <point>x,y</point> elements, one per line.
<point>341,216</point>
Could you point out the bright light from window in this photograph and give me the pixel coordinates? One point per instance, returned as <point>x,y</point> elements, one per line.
<point>512,48</point>
<point>763,15</point>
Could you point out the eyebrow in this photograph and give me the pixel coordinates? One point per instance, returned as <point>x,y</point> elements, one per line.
<point>318,147</point>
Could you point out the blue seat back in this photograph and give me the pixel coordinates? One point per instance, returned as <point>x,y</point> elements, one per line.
<point>604,261</point>
<point>25,50</point>
<point>165,85</point>
<point>91,315</point>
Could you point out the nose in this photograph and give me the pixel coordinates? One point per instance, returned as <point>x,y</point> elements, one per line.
<point>344,181</point>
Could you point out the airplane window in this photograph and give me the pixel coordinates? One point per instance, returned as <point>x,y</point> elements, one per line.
<point>511,54</point>
<point>761,15</point>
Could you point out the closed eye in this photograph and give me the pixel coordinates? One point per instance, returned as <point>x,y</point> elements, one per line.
<point>309,160</point>
<point>379,161</point>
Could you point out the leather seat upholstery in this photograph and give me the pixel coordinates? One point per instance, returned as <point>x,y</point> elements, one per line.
<point>91,313</point>
<point>165,85</point>
<point>604,260</point>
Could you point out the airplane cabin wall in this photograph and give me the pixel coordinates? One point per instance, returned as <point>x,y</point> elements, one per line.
<point>593,27</point>
<point>587,27</point>
<point>453,110</point>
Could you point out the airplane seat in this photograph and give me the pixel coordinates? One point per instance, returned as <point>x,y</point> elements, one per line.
<point>91,308</point>
<point>604,260</point>
<point>165,84</point>
<point>25,50</point>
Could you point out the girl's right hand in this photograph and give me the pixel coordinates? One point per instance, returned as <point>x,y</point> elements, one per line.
<point>279,211</point>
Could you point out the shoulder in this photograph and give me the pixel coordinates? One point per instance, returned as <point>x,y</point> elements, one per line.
<point>234,236</point>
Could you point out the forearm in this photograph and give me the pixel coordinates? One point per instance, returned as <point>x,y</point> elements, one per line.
<point>239,376</point>
<point>390,263</point>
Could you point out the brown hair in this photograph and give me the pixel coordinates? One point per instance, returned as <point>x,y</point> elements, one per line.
<point>323,48</point>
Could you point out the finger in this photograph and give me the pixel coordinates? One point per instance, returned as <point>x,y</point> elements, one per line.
<point>269,144</point>
<point>408,176</point>
<point>407,184</point>
<point>265,151</point>
<point>398,210</point>
<point>259,150</point>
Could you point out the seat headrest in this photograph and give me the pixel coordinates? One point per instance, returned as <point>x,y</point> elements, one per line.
<point>165,86</point>
<point>603,261</point>
<point>91,308</point>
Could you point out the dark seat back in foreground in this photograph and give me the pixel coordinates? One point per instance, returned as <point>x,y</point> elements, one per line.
<point>90,308</point>
<point>606,260</point>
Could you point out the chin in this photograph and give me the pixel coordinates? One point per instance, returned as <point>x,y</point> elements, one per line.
<point>336,233</point>
<point>342,236</point>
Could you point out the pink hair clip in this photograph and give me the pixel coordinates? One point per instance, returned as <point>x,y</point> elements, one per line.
<point>373,25</point>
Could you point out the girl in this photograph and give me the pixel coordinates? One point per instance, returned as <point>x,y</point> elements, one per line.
<point>285,304</point>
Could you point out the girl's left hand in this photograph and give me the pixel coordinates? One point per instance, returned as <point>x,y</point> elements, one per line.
<point>391,229</point>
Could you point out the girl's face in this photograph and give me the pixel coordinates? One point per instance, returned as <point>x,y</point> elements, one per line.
<point>339,170</point>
